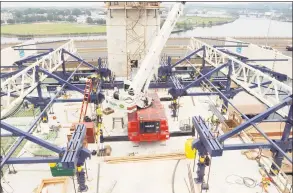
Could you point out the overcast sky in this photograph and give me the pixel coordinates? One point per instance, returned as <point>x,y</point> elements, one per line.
<point>71,4</point>
<point>51,4</point>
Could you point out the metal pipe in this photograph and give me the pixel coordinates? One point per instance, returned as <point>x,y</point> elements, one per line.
<point>13,148</point>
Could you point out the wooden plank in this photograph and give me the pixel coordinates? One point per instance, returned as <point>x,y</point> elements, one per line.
<point>145,158</point>
<point>56,180</point>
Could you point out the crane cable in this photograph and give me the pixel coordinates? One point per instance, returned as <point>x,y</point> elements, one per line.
<point>173,176</point>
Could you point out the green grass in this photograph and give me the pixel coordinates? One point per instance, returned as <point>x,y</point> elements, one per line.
<point>51,28</point>
<point>196,20</point>
<point>27,112</point>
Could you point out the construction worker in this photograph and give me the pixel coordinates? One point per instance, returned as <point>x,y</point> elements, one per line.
<point>101,139</point>
<point>265,182</point>
<point>25,105</point>
<point>54,125</point>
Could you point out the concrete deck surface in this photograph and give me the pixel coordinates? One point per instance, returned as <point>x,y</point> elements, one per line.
<point>142,177</point>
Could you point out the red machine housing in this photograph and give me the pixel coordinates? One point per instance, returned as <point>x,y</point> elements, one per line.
<point>149,124</point>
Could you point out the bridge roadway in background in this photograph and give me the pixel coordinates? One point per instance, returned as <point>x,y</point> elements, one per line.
<point>90,50</point>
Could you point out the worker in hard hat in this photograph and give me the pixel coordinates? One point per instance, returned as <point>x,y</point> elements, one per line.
<point>54,125</point>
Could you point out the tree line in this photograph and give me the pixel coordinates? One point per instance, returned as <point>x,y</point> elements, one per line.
<point>35,11</point>
<point>33,19</point>
<point>31,15</point>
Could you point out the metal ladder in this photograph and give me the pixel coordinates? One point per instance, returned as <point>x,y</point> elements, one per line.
<point>86,99</point>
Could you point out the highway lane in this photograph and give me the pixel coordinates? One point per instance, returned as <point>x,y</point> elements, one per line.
<point>92,54</point>
<point>184,41</point>
<point>91,50</point>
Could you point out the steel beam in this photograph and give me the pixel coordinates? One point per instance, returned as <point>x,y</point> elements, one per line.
<point>81,60</point>
<point>288,126</point>
<point>6,75</point>
<point>203,57</point>
<point>247,146</point>
<point>10,67</point>
<point>228,87</point>
<point>265,60</point>
<point>20,139</point>
<point>119,84</point>
<point>229,46</point>
<point>30,137</point>
<point>19,62</point>
<point>207,75</point>
<point>32,160</point>
<point>257,118</point>
<point>206,137</point>
<point>50,62</point>
<point>233,54</point>
<point>241,72</point>
<point>277,75</point>
<point>61,80</point>
<point>72,153</point>
<point>200,94</point>
<point>187,57</point>
<point>33,49</point>
<point>273,120</point>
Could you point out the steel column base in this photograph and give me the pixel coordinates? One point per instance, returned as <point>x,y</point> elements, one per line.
<point>200,173</point>
<point>82,187</point>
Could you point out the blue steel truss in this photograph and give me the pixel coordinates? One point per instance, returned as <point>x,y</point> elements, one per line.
<point>178,88</point>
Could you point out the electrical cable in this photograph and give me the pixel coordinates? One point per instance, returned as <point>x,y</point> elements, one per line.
<point>173,176</point>
<point>248,182</point>
<point>73,184</point>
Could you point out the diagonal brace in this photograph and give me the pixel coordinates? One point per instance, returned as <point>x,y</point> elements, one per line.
<point>30,137</point>
<point>81,60</point>
<point>207,75</point>
<point>187,57</point>
<point>255,119</point>
<point>60,80</point>
<point>17,143</point>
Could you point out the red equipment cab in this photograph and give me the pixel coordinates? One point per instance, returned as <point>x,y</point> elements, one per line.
<point>149,124</point>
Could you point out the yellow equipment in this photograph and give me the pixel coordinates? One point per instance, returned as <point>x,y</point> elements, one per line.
<point>190,152</point>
